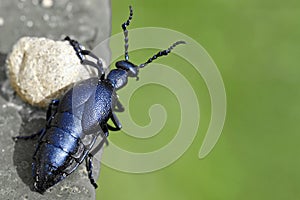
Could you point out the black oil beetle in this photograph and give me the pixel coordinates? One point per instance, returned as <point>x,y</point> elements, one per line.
<point>76,120</point>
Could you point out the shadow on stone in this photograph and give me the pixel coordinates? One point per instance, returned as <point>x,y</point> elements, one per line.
<point>24,150</point>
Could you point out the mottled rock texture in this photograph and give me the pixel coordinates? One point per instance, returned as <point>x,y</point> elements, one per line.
<point>88,21</point>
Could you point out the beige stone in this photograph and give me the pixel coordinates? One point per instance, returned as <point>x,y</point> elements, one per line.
<point>41,69</point>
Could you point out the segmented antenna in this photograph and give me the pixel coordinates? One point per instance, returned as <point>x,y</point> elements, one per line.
<point>125,31</point>
<point>161,53</point>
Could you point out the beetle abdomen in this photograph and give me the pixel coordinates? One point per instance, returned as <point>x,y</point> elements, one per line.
<point>50,165</point>
<point>58,154</point>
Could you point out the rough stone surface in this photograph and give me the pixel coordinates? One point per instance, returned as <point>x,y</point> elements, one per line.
<point>88,21</point>
<point>41,69</point>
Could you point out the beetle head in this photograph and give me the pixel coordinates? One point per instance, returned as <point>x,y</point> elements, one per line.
<point>129,67</point>
<point>118,77</point>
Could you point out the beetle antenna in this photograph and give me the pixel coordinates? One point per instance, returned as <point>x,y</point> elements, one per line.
<point>161,53</point>
<point>125,31</point>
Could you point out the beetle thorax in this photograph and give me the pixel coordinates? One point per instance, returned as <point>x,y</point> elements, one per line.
<point>118,78</point>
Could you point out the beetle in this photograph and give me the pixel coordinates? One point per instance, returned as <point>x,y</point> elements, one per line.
<point>74,122</point>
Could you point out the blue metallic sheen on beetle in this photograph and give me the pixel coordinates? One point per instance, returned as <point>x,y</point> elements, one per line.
<point>76,121</point>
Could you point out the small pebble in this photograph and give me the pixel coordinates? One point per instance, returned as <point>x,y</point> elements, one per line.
<point>29,24</point>
<point>46,17</point>
<point>47,3</point>
<point>1,21</point>
<point>22,18</point>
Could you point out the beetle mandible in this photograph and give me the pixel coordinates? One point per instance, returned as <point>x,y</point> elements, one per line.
<point>74,122</point>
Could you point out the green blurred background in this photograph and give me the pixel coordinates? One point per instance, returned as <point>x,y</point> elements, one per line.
<point>256,45</point>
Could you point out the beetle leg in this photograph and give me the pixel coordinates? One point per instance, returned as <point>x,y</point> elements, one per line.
<point>81,53</point>
<point>89,164</point>
<point>119,107</point>
<point>76,46</point>
<point>101,73</point>
<point>42,132</point>
<point>52,109</point>
<point>89,168</point>
<point>116,122</point>
<point>29,136</point>
<point>50,113</point>
<point>97,65</point>
<point>91,54</point>
<point>99,146</point>
<point>104,136</point>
